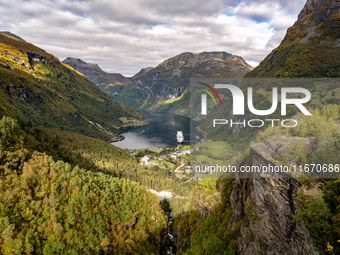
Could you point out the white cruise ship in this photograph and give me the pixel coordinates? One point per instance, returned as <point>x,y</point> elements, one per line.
<point>180,137</point>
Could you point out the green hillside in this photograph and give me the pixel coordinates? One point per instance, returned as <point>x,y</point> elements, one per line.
<point>75,194</point>
<point>310,48</point>
<point>41,89</point>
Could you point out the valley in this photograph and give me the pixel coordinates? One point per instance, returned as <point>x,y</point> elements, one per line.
<point>71,184</point>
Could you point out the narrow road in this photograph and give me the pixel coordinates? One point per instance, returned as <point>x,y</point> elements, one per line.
<point>177,170</point>
<point>201,131</point>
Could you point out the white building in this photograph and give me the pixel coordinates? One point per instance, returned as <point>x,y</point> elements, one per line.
<point>145,161</point>
<point>178,154</point>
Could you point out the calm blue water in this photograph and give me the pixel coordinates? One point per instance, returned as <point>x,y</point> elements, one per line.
<point>159,133</point>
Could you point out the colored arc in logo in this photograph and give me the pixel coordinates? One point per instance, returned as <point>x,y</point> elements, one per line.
<point>210,95</point>
<point>213,90</point>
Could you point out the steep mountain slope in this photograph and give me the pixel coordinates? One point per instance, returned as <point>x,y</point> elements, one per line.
<point>38,87</point>
<point>165,87</point>
<point>310,49</point>
<point>106,81</point>
<point>271,211</point>
<point>311,46</point>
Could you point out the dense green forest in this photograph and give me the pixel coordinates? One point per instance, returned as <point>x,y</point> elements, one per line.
<point>203,221</point>
<point>94,155</point>
<point>76,194</point>
<point>48,206</point>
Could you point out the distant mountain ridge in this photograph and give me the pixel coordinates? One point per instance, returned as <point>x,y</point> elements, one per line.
<point>142,71</point>
<point>92,71</point>
<point>165,87</point>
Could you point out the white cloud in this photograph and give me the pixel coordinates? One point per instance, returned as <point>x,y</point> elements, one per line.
<point>125,36</point>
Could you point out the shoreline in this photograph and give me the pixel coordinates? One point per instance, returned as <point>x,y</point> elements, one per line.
<point>121,131</point>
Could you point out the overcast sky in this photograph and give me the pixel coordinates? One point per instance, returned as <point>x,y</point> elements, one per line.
<point>123,36</point>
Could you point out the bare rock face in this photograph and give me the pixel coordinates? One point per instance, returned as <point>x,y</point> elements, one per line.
<point>267,205</point>
<point>272,149</point>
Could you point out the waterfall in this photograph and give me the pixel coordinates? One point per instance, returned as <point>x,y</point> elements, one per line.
<point>170,238</point>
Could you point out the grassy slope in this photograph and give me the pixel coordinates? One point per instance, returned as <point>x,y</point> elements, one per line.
<point>297,56</point>
<point>45,91</point>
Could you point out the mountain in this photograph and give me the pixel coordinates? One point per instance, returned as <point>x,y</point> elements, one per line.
<point>311,46</point>
<point>165,88</point>
<point>106,81</point>
<point>9,34</point>
<point>310,49</point>
<point>37,87</point>
<point>270,214</point>
<point>142,71</point>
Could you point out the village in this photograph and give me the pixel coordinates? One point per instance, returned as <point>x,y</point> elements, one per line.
<point>175,162</point>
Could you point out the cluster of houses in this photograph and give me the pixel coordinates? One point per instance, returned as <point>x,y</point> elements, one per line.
<point>178,154</point>
<point>145,161</point>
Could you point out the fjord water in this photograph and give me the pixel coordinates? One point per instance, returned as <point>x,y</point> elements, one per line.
<point>159,133</point>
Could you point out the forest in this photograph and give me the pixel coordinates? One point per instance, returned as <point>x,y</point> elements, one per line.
<point>71,194</point>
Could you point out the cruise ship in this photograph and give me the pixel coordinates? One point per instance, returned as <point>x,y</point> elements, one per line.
<point>180,137</point>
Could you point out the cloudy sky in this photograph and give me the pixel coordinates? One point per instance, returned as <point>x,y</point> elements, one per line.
<point>122,36</point>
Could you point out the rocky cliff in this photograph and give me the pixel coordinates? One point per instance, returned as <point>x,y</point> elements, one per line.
<point>271,151</point>
<point>267,205</point>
